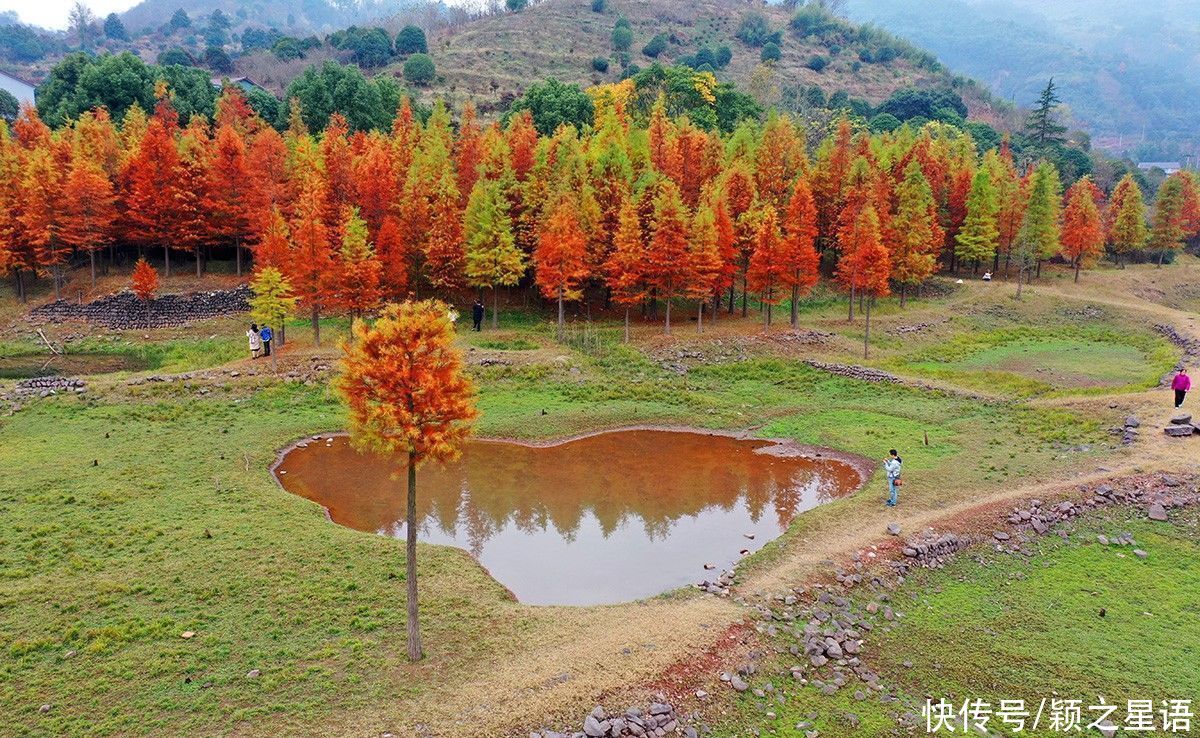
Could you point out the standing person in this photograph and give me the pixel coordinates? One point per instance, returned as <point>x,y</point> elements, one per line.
<point>891,466</point>
<point>477,316</point>
<point>1181,384</point>
<point>266,334</point>
<point>255,340</point>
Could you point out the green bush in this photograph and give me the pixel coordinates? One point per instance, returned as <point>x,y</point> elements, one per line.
<point>756,31</point>
<point>770,52</point>
<point>817,63</point>
<point>657,45</point>
<point>598,6</point>
<point>516,6</point>
<point>724,56</point>
<point>411,40</point>
<point>814,20</point>
<point>884,123</point>
<point>419,69</point>
<point>600,64</point>
<point>176,56</point>
<point>622,36</point>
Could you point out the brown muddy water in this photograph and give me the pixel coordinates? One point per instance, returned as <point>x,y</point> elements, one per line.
<point>23,366</point>
<point>600,519</point>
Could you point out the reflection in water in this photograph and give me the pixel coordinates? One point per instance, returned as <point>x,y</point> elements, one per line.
<point>606,518</point>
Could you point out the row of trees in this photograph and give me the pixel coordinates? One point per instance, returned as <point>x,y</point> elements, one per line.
<point>643,216</point>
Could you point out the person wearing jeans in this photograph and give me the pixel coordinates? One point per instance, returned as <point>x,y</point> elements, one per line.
<point>1181,384</point>
<point>891,467</point>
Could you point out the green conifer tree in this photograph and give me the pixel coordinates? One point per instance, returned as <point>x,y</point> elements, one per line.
<point>980,233</point>
<point>493,258</point>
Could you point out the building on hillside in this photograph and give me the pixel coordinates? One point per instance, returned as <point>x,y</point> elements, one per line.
<point>245,83</point>
<point>18,87</point>
<point>1168,167</point>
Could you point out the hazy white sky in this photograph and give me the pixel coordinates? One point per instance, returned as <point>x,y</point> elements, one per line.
<point>53,13</point>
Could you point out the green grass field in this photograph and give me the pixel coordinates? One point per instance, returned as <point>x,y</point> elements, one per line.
<point>136,513</point>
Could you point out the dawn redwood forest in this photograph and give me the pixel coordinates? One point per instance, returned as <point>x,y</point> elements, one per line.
<point>596,369</point>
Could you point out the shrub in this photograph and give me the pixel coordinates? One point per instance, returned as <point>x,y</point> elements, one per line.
<point>756,31</point>
<point>552,104</point>
<point>287,48</point>
<point>814,20</point>
<point>516,6</point>
<point>622,36</point>
<point>176,56</point>
<point>217,60</point>
<point>631,70</point>
<point>770,52</point>
<point>600,64</point>
<point>817,63</point>
<point>598,6</point>
<point>724,56</point>
<point>705,56</point>
<point>411,40</point>
<point>419,69</point>
<point>884,123</point>
<point>657,45</point>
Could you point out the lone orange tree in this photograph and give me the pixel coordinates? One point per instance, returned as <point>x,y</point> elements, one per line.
<point>403,383</point>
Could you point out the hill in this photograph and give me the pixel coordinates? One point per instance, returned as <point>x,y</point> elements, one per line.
<point>492,59</point>
<point>1127,72</point>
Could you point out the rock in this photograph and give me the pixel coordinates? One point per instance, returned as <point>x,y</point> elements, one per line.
<point>594,728</point>
<point>1181,419</point>
<point>1132,422</point>
<point>253,674</point>
<point>1001,536</point>
<point>1106,728</point>
<point>893,529</point>
<point>187,634</point>
<point>1178,431</point>
<point>1102,539</point>
<point>659,708</point>
<point>1140,553</point>
<point>44,709</point>
<point>738,683</point>
<point>1156,512</point>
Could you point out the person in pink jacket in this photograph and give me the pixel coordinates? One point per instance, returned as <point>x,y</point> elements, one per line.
<point>1181,384</point>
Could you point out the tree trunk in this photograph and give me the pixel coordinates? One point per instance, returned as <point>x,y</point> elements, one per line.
<point>166,261</point>
<point>415,652</point>
<point>561,316</point>
<point>92,258</point>
<point>1161,254</point>
<point>716,306</point>
<point>903,293</point>
<point>237,250</point>
<point>316,326</point>
<point>20,284</point>
<point>282,333</point>
<point>851,317</point>
<point>867,332</point>
<point>1020,275</point>
<point>767,316</point>
<point>495,306</point>
<point>731,297</point>
<point>700,316</point>
<point>626,324</point>
<point>57,277</point>
<point>1038,273</point>
<point>668,326</point>
<point>198,262</point>
<point>744,304</point>
<point>1077,262</point>
<point>795,307</point>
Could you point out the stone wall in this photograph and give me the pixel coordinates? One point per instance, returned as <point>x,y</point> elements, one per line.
<point>124,311</point>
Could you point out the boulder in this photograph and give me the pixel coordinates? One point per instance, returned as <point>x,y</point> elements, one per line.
<point>893,529</point>
<point>1178,431</point>
<point>1181,419</point>
<point>1155,511</point>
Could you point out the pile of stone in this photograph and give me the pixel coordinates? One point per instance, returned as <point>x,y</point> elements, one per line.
<point>853,371</point>
<point>124,311</point>
<point>930,551</point>
<point>721,584</point>
<point>659,720</point>
<point>799,336</point>
<point>1181,425</point>
<point>46,386</point>
<point>903,330</point>
<point>1127,431</point>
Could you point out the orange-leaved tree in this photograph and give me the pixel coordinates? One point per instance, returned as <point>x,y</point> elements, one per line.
<point>559,258</point>
<point>89,210</point>
<point>799,244</point>
<point>668,270</point>
<point>311,267</point>
<point>407,393</point>
<point>626,266</point>
<point>1083,232</point>
<point>144,282</point>
<point>865,263</point>
<point>768,268</point>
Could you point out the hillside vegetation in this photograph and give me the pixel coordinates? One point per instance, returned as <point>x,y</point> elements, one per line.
<point>492,59</point>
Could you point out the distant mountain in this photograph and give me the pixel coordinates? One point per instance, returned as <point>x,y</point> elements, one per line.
<point>298,17</point>
<point>1128,71</point>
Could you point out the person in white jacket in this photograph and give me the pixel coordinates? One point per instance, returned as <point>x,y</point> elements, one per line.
<point>891,467</point>
<point>255,341</point>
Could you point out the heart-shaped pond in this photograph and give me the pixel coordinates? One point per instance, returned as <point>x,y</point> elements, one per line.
<point>604,518</point>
